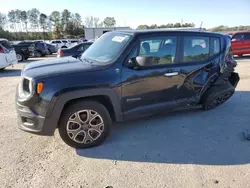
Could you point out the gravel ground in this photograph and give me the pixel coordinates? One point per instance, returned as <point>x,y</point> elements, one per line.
<point>188,149</point>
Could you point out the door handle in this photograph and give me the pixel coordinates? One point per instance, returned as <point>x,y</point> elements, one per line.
<point>171,74</point>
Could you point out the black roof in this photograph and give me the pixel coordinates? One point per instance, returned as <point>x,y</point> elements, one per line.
<point>162,31</point>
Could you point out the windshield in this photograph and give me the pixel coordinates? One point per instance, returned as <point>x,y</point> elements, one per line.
<point>106,48</point>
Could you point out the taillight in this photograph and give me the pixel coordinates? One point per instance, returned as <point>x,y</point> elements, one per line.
<point>60,52</point>
<point>1,51</point>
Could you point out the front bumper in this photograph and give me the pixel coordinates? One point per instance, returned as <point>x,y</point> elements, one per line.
<point>28,120</point>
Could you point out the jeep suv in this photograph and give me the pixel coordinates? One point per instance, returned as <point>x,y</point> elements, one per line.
<point>124,75</point>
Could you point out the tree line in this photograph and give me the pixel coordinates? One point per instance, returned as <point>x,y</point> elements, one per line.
<point>222,28</point>
<point>33,24</point>
<point>169,25</point>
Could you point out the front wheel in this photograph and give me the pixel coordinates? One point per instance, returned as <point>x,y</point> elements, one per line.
<point>217,95</point>
<point>85,124</point>
<point>19,57</point>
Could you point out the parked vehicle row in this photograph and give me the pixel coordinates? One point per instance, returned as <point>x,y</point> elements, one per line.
<point>125,75</point>
<point>74,51</point>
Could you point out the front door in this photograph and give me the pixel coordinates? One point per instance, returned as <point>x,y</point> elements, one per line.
<point>175,80</point>
<point>147,90</point>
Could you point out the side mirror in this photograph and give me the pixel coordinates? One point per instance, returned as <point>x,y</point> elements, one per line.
<point>140,62</point>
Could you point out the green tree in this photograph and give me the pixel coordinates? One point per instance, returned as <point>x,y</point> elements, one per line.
<point>142,27</point>
<point>109,22</point>
<point>18,19</point>
<point>33,16</point>
<point>55,19</point>
<point>3,21</point>
<point>177,25</point>
<point>24,20</point>
<point>65,19</point>
<point>43,22</point>
<point>12,19</point>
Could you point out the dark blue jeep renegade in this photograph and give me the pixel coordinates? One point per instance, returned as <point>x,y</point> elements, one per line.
<point>124,75</point>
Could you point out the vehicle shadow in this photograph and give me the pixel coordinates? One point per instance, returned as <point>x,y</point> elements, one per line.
<point>245,57</point>
<point>212,137</point>
<point>10,73</point>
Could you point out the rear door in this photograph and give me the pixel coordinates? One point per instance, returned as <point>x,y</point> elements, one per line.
<point>201,55</point>
<point>246,43</point>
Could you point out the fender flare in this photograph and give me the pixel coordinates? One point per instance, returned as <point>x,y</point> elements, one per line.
<point>58,103</point>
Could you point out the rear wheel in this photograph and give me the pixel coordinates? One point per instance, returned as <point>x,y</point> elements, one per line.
<point>217,95</point>
<point>19,57</point>
<point>37,54</point>
<point>85,124</point>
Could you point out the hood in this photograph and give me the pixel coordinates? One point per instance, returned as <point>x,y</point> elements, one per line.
<point>57,66</point>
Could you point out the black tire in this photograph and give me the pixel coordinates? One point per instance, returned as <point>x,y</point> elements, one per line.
<point>2,69</point>
<point>70,112</point>
<point>240,55</point>
<point>19,57</point>
<point>50,53</point>
<point>217,95</point>
<point>26,58</point>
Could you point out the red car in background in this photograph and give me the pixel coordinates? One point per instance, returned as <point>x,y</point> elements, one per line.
<point>241,43</point>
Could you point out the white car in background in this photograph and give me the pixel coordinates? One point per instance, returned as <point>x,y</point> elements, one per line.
<point>60,43</point>
<point>7,54</point>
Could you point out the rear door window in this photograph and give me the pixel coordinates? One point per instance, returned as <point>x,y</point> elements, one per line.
<point>247,36</point>
<point>196,49</point>
<point>6,45</point>
<point>238,36</point>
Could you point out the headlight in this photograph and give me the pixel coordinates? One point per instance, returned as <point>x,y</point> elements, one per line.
<point>26,88</point>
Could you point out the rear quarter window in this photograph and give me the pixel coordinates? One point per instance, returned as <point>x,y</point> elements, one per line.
<point>215,46</point>
<point>247,36</point>
<point>196,49</point>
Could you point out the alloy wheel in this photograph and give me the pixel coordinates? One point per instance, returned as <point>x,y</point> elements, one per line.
<point>19,57</point>
<point>85,126</point>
